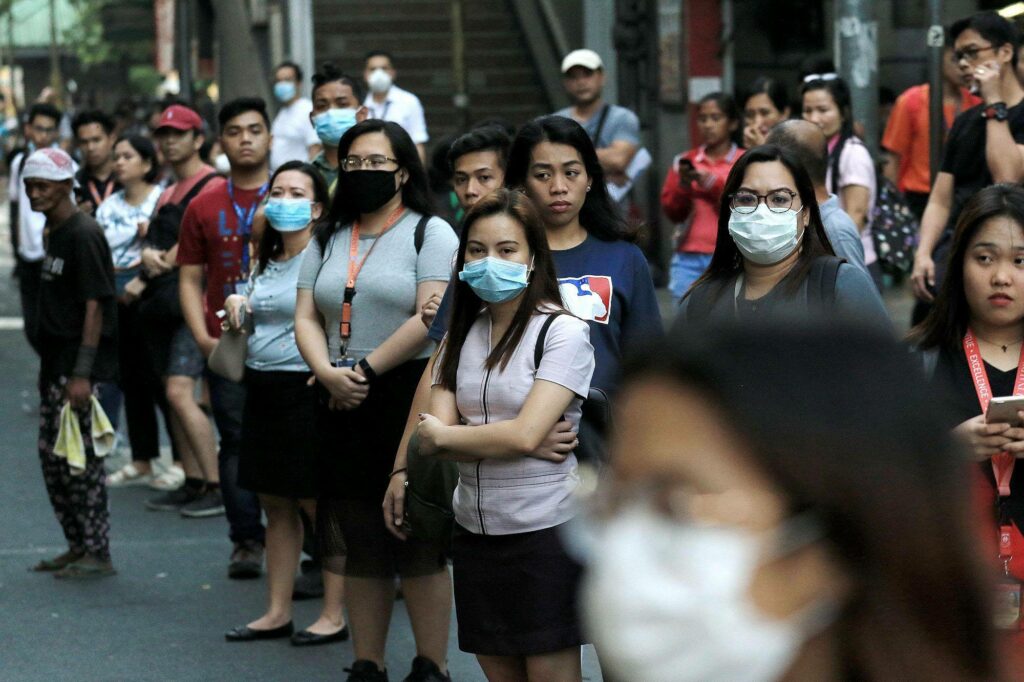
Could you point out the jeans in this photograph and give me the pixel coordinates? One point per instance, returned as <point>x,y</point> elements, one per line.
<point>242,506</point>
<point>684,270</point>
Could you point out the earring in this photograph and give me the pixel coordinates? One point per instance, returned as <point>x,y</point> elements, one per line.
<point>588,188</point>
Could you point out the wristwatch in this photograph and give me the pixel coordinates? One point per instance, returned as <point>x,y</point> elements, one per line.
<point>996,110</point>
<point>368,372</point>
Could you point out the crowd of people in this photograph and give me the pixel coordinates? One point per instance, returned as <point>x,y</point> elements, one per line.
<point>413,392</point>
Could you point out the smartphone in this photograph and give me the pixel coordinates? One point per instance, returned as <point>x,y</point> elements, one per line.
<point>685,166</point>
<point>1004,410</point>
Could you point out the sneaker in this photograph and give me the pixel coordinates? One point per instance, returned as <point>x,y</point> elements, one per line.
<point>173,500</point>
<point>128,475</point>
<point>210,503</point>
<point>366,671</point>
<point>246,560</point>
<point>425,670</point>
<point>171,479</point>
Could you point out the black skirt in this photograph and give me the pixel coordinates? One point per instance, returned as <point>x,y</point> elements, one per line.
<point>356,448</point>
<point>515,595</point>
<point>278,442</point>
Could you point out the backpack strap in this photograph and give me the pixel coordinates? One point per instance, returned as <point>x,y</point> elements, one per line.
<point>821,280</point>
<point>421,232</point>
<point>600,123</point>
<point>538,350</point>
<point>196,189</point>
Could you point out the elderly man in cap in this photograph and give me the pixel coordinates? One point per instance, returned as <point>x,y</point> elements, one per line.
<point>614,130</point>
<point>78,351</point>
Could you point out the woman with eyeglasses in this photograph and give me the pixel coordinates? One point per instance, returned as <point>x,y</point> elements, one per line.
<point>851,172</point>
<point>772,257</point>
<point>367,272</point>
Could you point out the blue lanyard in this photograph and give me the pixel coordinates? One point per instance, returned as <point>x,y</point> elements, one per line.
<point>245,219</point>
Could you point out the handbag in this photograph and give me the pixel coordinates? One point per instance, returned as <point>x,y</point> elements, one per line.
<point>429,489</point>
<point>228,356</point>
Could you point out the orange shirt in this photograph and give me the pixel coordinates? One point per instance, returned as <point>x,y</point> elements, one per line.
<point>907,135</point>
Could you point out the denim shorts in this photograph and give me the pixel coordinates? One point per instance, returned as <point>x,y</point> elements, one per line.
<point>185,359</point>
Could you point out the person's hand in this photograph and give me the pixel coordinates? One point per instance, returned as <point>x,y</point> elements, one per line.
<point>986,75</point>
<point>752,137</point>
<point>923,276</point>
<point>348,388</point>
<point>78,392</point>
<point>206,345</point>
<point>429,431</point>
<point>984,440</point>
<point>133,290</point>
<point>394,505</point>
<point>233,306</point>
<point>429,310</point>
<point>558,444</point>
<point>153,262</point>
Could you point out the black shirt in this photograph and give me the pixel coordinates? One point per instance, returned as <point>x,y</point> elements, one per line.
<point>964,157</point>
<point>953,378</point>
<point>91,191</point>
<point>77,268</point>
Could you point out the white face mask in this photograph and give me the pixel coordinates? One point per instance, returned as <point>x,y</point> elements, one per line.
<point>765,237</point>
<point>379,81</point>
<point>666,602</point>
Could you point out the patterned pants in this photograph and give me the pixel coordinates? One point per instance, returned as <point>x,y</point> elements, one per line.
<point>79,502</point>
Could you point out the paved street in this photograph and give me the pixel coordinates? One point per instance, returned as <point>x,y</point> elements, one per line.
<point>163,616</point>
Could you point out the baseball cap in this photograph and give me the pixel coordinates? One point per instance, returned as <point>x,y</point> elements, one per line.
<point>180,117</point>
<point>588,59</point>
<point>49,164</point>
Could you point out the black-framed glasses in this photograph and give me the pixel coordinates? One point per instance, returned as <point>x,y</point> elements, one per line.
<point>371,162</point>
<point>970,53</point>
<point>777,201</point>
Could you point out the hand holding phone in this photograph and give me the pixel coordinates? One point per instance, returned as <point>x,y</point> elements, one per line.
<point>1005,410</point>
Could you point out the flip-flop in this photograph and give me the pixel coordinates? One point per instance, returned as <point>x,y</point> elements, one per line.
<point>56,563</point>
<point>79,570</point>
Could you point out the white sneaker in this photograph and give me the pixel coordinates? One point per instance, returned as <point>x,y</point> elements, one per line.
<point>128,475</point>
<point>171,479</point>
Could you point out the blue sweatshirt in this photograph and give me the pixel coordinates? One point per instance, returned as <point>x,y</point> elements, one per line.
<point>609,285</point>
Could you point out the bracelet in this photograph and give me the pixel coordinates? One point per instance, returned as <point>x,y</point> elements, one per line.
<point>368,372</point>
<point>84,361</point>
<point>403,470</point>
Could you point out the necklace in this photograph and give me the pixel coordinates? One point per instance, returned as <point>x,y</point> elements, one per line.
<point>1001,346</point>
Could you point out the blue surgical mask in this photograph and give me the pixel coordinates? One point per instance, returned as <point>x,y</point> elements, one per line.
<point>284,91</point>
<point>288,215</point>
<point>332,124</point>
<point>495,280</point>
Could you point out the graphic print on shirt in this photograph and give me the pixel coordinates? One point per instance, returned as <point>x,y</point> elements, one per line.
<point>588,298</point>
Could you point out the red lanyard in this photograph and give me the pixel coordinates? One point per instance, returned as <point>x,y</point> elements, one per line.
<point>1003,462</point>
<point>355,265</point>
<point>107,191</point>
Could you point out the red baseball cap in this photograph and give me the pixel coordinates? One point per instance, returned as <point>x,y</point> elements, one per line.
<point>180,117</point>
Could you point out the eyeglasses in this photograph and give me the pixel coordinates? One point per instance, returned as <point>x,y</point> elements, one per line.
<point>970,53</point>
<point>777,201</point>
<point>371,162</point>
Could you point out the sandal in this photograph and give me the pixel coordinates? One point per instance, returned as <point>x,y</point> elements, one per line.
<point>84,568</point>
<point>57,562</point>
<point>128,475</point>
<point>171,479</point>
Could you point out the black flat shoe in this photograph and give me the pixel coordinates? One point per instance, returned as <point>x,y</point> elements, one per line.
<point>244,633</point>
<point>307,638</point>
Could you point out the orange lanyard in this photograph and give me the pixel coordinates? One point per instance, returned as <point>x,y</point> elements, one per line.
<point>355,265</point>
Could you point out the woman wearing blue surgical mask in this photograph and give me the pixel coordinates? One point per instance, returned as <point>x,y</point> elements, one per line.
<point>491,407</point>
<point>337,107</point>
<point>278,446</point>
<point>772,257</point>
<point>783,503</point>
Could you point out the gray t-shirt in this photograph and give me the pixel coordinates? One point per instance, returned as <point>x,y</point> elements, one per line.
<point>842,232</point>
<point>386,286</point>
<point>621,124</point>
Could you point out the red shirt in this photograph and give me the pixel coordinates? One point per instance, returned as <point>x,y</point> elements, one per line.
<point>177,191</point>
<point>210,236</point>
<point>678,201</point>
<point>907,135</point>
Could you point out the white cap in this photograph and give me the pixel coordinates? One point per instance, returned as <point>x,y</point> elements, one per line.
<point>588,59</point>
<point>49,164</point>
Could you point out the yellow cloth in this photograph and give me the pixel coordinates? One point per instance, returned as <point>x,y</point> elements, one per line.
<point>69,443</point>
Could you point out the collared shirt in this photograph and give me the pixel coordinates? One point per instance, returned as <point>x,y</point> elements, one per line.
<point>403,108</point>
<point>293,133</point>
<point>695,201</point>
<point>329,172</point>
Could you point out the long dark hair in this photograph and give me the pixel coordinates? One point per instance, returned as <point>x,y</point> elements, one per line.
<point>727,261</point>
<point>541,290</point>
<point>598,216</point>
<point>271,243</point>
<point>901,523</point>
<point>415,191</point>
<point>840,93</point>
<point>947,321</point>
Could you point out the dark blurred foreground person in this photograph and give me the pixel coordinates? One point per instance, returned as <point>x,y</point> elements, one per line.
<point>751,527</point>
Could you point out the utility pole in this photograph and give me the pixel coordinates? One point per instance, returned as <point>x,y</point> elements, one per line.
<point>240,68</point>
<point>183,47</point>
<point>461,97</point>
<point>856,55</point>
<point>936,129</point>
<point>55,78</point>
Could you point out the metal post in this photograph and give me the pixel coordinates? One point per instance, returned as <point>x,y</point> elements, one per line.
<point>55,77</point>
<point>936,129</point>
<point>461,97</point>
<point>856,54</point>
<point>13,105</point>
<point>183,47</point>
<point>300,36</point>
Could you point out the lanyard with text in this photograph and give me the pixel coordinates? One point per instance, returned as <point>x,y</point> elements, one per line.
<point>355,264</point>
<point>245,218</point>
<point>97,199</point>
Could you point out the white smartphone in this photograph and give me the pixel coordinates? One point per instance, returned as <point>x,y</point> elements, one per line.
<point>1004,410</point>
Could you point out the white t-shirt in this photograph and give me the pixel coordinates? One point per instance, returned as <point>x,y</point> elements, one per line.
<point>293,133</point>
<point>403,108</point>
<point>30,223</point>
<point>120,223</point>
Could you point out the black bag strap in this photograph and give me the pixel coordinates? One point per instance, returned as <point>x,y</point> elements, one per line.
<point>196,189</point>
<point>822,279</point>
<point>538,350</point>
<point>600,123</point>
<point>421,232</point>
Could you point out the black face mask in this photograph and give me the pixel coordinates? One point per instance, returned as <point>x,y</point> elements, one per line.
<point>368,189</point>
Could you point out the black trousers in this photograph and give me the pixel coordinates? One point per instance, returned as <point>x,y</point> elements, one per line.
<point>143,389</point>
